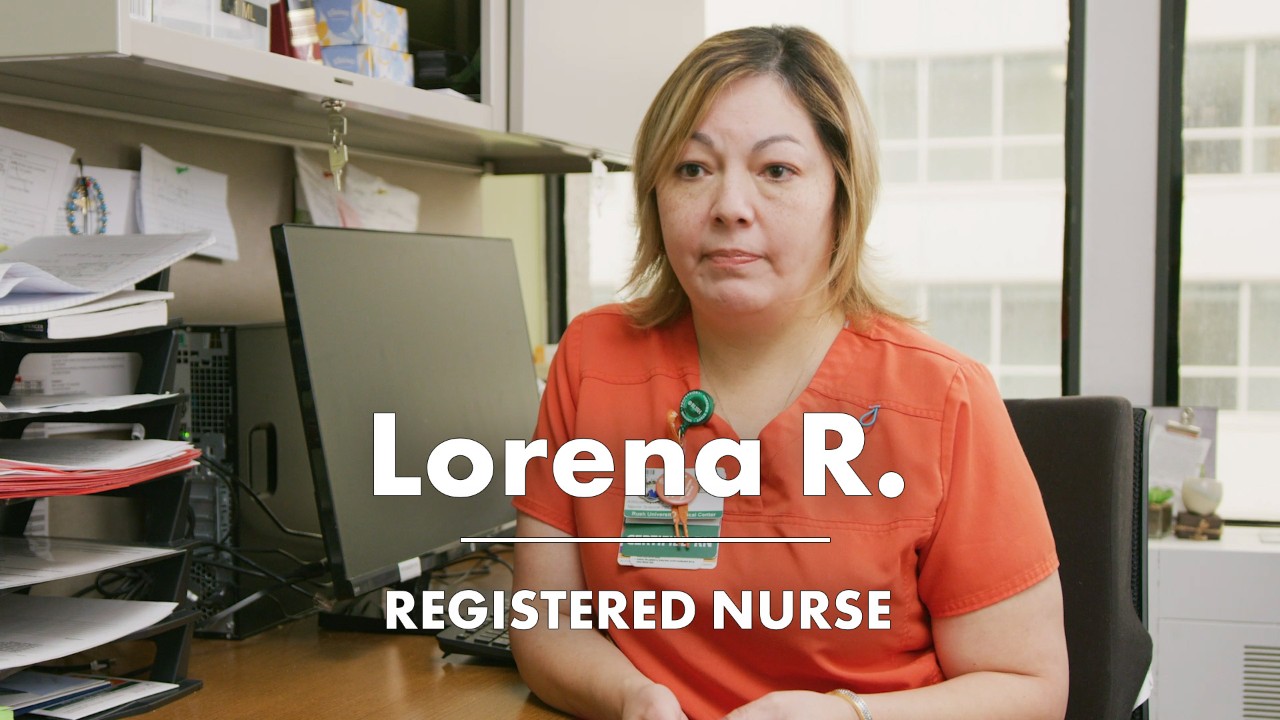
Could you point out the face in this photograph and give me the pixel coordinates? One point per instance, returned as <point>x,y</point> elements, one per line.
<point>747,210</point>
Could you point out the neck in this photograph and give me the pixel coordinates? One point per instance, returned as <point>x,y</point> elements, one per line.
<point>725,344</point>
<point>756,374</point>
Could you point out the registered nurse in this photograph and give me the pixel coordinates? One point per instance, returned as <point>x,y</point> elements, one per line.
<point>755,174</point>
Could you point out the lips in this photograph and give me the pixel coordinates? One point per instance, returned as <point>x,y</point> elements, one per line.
<point>730,257</point>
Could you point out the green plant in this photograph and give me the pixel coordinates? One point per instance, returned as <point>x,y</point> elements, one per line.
<point>1159,495</point>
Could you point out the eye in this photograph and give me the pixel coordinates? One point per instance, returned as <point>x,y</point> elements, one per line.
<point>778,172</point>
<point>690,170</point>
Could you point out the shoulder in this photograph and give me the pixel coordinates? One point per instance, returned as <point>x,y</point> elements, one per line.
<point>606,344</point>
<point>891,360</point>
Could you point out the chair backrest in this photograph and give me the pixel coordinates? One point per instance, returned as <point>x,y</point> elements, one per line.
<point>1082,450</point>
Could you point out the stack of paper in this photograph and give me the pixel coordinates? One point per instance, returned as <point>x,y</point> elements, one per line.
<point>49,274</point>
<point>36,404</point>
<point>30,689</point>
<point>38,468</point>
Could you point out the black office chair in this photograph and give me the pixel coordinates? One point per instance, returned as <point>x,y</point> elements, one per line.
<point>1082,450</point>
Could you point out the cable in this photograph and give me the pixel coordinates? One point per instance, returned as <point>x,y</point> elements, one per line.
<point>234,483</point>
<point>305,571</point>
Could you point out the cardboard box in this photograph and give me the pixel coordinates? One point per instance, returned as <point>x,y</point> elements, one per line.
<point>362,22</point>
<point>375,62</point>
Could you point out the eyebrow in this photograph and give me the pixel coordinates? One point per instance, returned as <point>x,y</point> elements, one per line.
<point>706,140</point>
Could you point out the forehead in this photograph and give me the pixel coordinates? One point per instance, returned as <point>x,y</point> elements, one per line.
<point>756,106</point>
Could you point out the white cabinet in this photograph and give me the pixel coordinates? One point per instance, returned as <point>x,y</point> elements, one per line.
<point>92,57</point>
<point>584,71</point>
<point>1215,619</point>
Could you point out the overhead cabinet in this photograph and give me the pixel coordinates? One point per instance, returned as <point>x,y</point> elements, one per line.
<point>583,72</point>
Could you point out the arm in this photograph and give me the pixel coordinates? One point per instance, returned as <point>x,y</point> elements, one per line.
<point>1007,661</point>
<point>580,671</point>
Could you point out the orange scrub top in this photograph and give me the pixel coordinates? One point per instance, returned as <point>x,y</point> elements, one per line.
<point>968,531</point>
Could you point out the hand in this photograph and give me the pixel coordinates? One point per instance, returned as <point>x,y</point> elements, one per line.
<point>794,705</point>
<point>652,702</point>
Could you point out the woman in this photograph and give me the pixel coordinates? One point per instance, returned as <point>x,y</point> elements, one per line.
<point>755,179</point>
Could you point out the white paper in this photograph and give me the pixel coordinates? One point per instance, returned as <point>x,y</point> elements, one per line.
<point>380,205</point>
<point>1175,457</point>
<point>318,193</point>
<point>178,198</point>
<point>87,454</point>
<point>40,628</point>
<point>32,174</point>
<point>30,560</point>
<point>120,299</point>
<point>32,404</point>
<point>366,201</point>
<point>95,265</point>
<point>119,190</point>
<point>67,373</point>
<point>123,690</point>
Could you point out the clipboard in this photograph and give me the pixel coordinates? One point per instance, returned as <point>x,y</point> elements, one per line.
<point>1181,444</point>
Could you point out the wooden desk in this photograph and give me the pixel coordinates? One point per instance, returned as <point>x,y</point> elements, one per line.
<point>300,671</point>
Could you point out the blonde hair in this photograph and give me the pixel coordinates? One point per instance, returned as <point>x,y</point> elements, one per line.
<point>821,83</point>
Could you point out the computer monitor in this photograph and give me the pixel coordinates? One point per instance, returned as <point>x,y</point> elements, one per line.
<point>431,328</point>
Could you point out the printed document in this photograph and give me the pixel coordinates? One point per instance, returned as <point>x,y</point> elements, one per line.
<point>39,628</point>
<point>30,560</point>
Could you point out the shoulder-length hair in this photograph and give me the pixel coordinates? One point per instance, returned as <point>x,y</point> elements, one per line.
<point>820,81</point>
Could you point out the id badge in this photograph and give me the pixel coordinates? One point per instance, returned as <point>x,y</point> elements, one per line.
<point>648,517</point>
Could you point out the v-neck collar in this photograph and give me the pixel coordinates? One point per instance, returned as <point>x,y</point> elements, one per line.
<point>687,338</point>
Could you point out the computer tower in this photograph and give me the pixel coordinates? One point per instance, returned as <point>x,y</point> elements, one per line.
<point>244,415</point>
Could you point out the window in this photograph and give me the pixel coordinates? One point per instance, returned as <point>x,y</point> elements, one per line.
<point>987,117</point>
<point>1229,331</point>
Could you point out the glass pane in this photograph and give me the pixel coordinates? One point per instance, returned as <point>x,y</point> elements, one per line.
<point>1213,86</point>
<point>1214,392</point>
<point>1264,325</point>
<point>960,97</point>
<point>1264,394</point>
<point>1267,85</point>
<point>960,164</point>
<point>1035,101</point>
<point>1031,326</point>
<point>1204,157</point>
<point>1032,162</point>
<point>960,315</point>
<point>898,165</point>
<point>1024,386</point>
<point>1210,325</point>
<point>1266,155</point>
<point>891,95</point>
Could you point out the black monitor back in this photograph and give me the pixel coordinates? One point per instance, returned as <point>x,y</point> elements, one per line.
<point>431,328</point>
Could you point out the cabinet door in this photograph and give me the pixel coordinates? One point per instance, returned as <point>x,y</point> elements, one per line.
<point>1211,669</point>
<point>584,71</point>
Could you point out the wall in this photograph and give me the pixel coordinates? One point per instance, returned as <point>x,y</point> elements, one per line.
<point>514,207</point>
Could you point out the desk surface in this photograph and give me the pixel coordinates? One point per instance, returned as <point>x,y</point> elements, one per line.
<point>301,671</point>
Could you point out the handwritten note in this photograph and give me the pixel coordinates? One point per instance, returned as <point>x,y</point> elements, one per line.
<point>179,198</point>
<point>33,173</point>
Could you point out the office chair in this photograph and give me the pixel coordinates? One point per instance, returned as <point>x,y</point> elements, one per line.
<point>1082,451</point>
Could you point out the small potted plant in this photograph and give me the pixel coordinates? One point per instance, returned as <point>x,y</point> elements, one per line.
<point>1159,511</point>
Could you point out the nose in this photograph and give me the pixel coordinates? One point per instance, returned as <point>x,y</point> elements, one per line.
<point>734,200</point>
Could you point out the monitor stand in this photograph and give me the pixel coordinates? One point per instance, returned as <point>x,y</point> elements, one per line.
<point>364,615</point>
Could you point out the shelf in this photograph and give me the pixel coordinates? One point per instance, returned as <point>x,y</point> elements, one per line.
<point>108,64</point>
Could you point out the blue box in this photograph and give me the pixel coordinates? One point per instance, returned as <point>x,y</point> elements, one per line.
<point>362,22</point>
<point>375,62</point>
